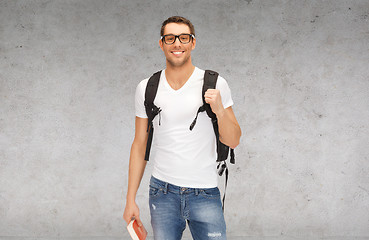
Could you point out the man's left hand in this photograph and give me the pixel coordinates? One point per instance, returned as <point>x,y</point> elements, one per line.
<point>212,97</point>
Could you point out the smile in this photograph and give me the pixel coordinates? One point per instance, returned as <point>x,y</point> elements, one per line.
<point>177,52</point>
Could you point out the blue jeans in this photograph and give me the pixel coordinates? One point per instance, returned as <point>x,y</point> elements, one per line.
<point>171,206</point>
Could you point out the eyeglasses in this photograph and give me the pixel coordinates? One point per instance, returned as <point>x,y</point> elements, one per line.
<point>183,38</point>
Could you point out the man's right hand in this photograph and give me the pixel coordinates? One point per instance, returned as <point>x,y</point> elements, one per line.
<point>132,212</point>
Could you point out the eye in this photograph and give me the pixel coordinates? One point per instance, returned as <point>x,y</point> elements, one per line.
<point>169,38</point>
<point>184,37</point>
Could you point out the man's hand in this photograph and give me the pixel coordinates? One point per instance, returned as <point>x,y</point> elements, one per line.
<point>212,97</point>
<point>132,212</point>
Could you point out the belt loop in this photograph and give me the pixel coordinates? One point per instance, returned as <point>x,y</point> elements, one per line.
<point>166,188</point>
<point>196,191</point>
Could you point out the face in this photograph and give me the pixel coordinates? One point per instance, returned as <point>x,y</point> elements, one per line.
<point>177,54</point>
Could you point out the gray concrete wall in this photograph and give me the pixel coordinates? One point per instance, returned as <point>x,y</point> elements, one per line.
<point>299,74</point>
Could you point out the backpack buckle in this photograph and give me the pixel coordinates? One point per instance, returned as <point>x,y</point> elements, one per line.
<point>221,168</point>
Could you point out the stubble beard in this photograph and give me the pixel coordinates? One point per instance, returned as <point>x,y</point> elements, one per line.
<point>178,64</point>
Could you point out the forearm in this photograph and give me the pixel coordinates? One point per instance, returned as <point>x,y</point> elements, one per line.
<point>229,129</point>
<point>137,166</point>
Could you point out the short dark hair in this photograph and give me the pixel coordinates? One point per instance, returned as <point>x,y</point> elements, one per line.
<point>177,19</point>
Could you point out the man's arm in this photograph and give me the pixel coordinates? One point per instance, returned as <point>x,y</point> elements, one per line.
<point>137,166</point>
<point>229,129</point>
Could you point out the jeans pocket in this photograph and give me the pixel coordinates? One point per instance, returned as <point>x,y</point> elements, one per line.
<point>154,192</point>
<point>210,193</point>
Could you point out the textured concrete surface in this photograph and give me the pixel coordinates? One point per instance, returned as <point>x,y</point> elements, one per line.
<point>299,75</point>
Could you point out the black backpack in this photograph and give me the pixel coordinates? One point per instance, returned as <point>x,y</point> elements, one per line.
<point>210,80</point>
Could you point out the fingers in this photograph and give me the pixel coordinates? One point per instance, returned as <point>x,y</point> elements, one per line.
<point>212,96</point>
<point>207,99</point>
<point>209,95</point>
<point>138,220</point>
<point>133,217</point>
<point>212,92</point>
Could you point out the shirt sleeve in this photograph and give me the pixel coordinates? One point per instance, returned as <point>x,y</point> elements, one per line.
<point>225,92</point>
<point>140,98</point>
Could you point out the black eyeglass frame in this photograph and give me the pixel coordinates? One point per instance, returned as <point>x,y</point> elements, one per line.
<point>162,38</point>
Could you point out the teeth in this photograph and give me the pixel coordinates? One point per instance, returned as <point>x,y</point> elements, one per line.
<point>177,52</point>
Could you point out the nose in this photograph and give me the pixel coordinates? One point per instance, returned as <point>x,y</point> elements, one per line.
<point>176,41</point>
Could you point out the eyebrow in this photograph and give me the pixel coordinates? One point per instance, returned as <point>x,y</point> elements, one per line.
<point>176,34</point>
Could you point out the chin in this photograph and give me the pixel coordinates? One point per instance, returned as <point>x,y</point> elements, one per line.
<point>178,63</point>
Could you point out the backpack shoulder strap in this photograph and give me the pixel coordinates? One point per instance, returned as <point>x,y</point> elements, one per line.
<point>151,109</point>
<point>210,82</point>
<point>150,92</point>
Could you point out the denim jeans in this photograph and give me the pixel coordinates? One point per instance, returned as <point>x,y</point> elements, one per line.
<point>171,206</point>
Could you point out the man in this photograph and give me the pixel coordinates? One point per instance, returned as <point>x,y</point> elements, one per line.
<point>183,186</point>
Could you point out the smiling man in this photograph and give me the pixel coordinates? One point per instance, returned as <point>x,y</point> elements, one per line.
<point>183,185</point>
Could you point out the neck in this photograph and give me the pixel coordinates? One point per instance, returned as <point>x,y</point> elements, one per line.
<point>177,76</point>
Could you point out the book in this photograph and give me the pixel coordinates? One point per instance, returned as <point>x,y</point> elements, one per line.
<point>136,232</point>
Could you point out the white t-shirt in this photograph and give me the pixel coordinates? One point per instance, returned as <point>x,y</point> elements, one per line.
<point>182,157</point>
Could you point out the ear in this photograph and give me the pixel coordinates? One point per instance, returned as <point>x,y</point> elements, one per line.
<point>193,43</point>
<point>161,44</point>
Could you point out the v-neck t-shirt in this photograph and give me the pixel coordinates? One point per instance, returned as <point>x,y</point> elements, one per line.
<point>183,157</point>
